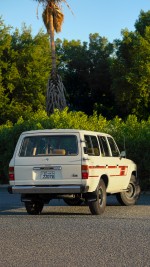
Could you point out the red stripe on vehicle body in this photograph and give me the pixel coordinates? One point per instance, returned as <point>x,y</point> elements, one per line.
<point>123,169</point>
<point>103,167</point>
<point>97,167</point>
<point>112,167</point>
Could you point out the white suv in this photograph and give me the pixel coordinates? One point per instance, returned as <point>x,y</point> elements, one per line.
<point>75,165</point>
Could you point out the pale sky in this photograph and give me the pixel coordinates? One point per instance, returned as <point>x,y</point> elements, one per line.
<point>106,17</point>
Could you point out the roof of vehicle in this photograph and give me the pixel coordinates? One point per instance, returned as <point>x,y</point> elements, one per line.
<point>46,131</point>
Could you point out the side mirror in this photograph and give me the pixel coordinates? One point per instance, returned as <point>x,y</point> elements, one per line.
<point>123,154</point>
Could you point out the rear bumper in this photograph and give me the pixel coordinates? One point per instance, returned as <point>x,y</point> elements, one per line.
<point>66,189</point>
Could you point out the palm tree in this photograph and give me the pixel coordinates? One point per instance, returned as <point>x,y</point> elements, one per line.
<point>53,19</point>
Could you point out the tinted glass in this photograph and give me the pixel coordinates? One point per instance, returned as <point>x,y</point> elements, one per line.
<point>92,145</point>
<point>95,145</point>
<point>114,149</point>
<point>104,146</point>
<point>49,145</point>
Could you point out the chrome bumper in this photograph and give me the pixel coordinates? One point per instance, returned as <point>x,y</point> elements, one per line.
<point>67,189</point>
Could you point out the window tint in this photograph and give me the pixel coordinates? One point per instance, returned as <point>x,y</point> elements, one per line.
<point>114,148</point>
<point>104,146</point>
<point>92,145</point>
<point>88,143</point>
<point>49,145</point>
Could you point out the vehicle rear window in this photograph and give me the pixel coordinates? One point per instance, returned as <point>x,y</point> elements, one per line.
<point>53,145</point>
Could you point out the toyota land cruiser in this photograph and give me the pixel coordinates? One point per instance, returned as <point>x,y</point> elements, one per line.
<point>75,165</point>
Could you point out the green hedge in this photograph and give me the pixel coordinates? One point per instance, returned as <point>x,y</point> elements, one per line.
<point>136,135</point>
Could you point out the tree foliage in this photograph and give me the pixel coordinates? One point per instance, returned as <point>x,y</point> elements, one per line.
<point>142,22</point>
<point>86,72</point>
<point>131,71</point>
<point>110,78</point>
<point>24,70</point>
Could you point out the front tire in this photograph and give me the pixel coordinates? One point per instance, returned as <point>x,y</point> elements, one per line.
<point>97,207</point>
<point>132,194</point>
<point>34,208</point>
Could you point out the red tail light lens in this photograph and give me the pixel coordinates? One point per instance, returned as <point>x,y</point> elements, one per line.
<point>11,174</point>
<point>85,171</point>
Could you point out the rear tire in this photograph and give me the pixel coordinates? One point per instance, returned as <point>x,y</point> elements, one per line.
<point>97,207</point>
<point>34,208</point>
<point>73,201</point>
<point>131,196</point>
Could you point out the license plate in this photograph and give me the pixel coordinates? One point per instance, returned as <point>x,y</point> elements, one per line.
<point>48,175</point>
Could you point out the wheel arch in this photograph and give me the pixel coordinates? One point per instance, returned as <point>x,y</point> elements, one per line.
<point>134,173</point>
<point>104,177</point>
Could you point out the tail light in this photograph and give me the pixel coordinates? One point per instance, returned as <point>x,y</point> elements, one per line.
<point>11,174</point>
<point>85,171</point>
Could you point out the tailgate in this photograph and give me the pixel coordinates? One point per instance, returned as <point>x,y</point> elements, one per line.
<point>49,160</point>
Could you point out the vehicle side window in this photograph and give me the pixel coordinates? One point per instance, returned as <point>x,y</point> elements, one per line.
<point>104,146</point>
<point>92,145</point>
<point>114,149</point>
<point>88,144</point>
<point>95,145</point>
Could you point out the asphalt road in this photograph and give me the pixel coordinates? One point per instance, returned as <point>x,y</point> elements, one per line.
<point>65,236</point>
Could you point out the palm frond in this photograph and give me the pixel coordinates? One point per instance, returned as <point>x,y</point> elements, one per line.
<point>46,18</point>
<point>68,6</point>
<point>58,19</point>
<point>55,2</point>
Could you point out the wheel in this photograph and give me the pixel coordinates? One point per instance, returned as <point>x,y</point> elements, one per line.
<point>34,208</point>
<point>132,194</point>
<point>97,207</point>
<point>73,201</point>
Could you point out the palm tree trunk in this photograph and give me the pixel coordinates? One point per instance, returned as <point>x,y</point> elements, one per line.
<point>52,45</point>
<point>55,95</point>
<point>55,89</point>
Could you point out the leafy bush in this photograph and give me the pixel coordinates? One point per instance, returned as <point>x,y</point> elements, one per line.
<point>136,135</point>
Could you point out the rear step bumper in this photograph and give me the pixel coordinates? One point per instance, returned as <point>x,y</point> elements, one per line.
<point>67,189</point>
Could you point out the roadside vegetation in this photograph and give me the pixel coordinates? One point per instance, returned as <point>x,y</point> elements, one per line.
<point>135,135</point>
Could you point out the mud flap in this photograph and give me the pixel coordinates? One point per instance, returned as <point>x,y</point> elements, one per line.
<point>91,197</point>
